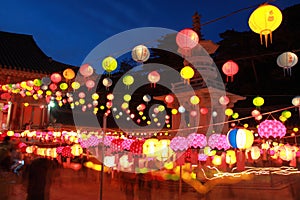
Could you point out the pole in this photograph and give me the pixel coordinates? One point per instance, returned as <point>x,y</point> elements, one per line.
<point>180,182</point>
<point>102,153</point>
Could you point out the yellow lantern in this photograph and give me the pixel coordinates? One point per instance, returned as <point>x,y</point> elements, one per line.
<point>265,19</point>
<point>95,96</point>
<point>187,73</point>
<point>149,147</point>
<point>258,101</point>
<point>163,150</point>
<point>10,133</point>
<point>174,111</point>
<point>128,80</point>
<point>194,100</point>
<point>228,112</point>
<point>63,86</point>
<point>75,85</point>
<point>109,64</point>
<point>127,97</point>
<point>230,157</point>
<point>217,160</point>
<point>76,150</point>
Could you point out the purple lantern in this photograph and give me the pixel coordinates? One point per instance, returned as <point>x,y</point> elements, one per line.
<point>271,128</point>
<point>218,141</point>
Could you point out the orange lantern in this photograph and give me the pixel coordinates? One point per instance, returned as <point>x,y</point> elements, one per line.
<point>230,68</point>
<point>69,74</point>
<point>265,19</point>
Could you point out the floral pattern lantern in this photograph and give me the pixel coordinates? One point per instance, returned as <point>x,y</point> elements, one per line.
<point>240,138</point>
<point>187,38</point>
<point>265,19</point>
<point>179,143</point>
<point>153,77</point>
<point>140,53</point>
<point>230,68</point>
<point>137,147</point>
<point>93,141</point>
<point>287,60</point>
<point>127,143</point>
<point>196,140</point>
<point>218,141</point>
<point>109,64</point>
<point>271,128</point>
<point>117,145</point>
<point>66,151</point>
<point>107,140</point>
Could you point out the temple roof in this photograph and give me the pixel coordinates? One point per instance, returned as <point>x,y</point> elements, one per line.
<point>20,52</point>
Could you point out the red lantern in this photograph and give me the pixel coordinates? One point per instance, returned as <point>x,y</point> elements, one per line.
<point>187,38</point>
<point>169,99</point>
<point>153,77</point>
<point>55,77</point>
<point>230,68</point>
<point>53,86</point>
<point>203,111</point>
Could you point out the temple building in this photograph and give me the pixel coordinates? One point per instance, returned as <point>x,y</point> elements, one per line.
<point>21,60</point>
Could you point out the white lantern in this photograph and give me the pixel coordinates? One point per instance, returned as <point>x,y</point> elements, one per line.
<point>287,60</point>
<point>140,53</point>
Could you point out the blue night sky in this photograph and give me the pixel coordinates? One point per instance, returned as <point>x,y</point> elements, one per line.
<point>68,30</point>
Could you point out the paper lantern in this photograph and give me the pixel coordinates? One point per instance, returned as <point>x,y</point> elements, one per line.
<point>107,82</point>
<point>187,38</point>
<point>217,160</point>
<point>127,97</point>
<point>218,141</point>
<point>194,100</point>
<point>286,152</point>
<point>90,84</point>
<point>203,111</point>
<point>240,138</point>
<point>69,74</point>
<point>287,60</point>
<point>66,151</point>
<point>37,82</point>
<point>149,147</point>
<point>86,70</point>
<point>196,140</point>
<point>147,98</point>
<point>271,128</point>
<point>128,80</point>
<point>53,86</point>
<point>169,99</point>
<point>179,143</point>
<point>117,145</point>
<point>109,64</point>
<point>76,150</point>
<point>63,86</point>
<point>174,111</point>
<point>181,109</point>
<point>140,53</point>
<point>230,68</point>
<point>187,73</point>
<point>224,100</point>
<point>230,157</point>
<point>153,77</point>
<point>255,113</point>
<point>55,77</point>
<point>258,101</point>
<point>296,101</point>
<point>46,80</point>
<point>287,114</point>
<point>265,19</point>
<point>141,107</point>
<point>75,85</point>
<point>137,147</point>
<point>193,113</point>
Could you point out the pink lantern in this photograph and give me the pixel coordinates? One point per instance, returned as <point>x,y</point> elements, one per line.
<point>109,104</point>
<point>193,113</point>
<point>218,141</point>
<point>107,140</point>
<point>169,99</point>
<point>187,38</point>
<point>81,95</point>
<point>153,77</point>
<point>59,149</point>
<point>110,97</point>
<point>230,68</point>
<point>55,77</point>
<point>179,143</point>
<point>271,128</point>
<point>196,140</point>
<point>127,143</point>
<point>86,70</point>
<point>92,141</point>
<point>224,100</point>
<point>255,113</point>
<point>90,84</point>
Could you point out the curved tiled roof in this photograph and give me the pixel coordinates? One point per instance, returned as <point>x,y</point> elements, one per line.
<point>20,52</point>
